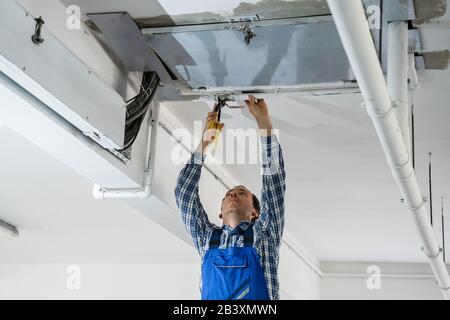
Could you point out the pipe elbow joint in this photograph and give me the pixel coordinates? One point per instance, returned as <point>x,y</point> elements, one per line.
<point>98,192</point>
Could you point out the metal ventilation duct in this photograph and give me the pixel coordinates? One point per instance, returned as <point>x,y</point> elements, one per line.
<point>228,47</point>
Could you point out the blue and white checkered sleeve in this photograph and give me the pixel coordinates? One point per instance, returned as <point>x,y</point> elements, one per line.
<point>273,188</point>
<point>193,215</point>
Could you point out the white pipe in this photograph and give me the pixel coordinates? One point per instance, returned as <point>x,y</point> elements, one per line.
<point>100,192</point>
<point>414,82</point>
<point>350,19</point>
<point>397,75</point>
<point>383,275</point>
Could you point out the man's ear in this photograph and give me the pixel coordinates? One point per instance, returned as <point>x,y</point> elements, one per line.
<point>220,215</point>
<point>255,214</point>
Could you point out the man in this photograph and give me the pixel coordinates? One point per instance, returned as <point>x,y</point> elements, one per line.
<point>239,259</point>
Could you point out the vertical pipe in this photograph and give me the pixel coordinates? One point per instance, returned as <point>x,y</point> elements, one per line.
<point>443,229</point>
<point>353,28</point>
<point>413,148</point>
<point>397,75</point>
<point>413,85</point>
<point>430,190</point>
<point>151,160</point>
<point>100,192</point>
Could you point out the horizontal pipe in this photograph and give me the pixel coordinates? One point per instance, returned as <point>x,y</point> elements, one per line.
<point>102,193</point>
<point>382,275</point>
<point>241,93</point>
<point>351,22</point>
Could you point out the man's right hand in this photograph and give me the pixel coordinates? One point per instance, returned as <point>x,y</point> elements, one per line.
<point>211,131</point>
<point>259,110</point>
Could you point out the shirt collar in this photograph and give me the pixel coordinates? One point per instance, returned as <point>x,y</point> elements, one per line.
<point>243,225</point>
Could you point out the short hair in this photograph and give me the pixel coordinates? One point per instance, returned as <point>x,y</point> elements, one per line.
<point>256,204</point>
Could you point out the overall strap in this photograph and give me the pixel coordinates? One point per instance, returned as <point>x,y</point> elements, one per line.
<point>248,236</point>
<point>215,239</point>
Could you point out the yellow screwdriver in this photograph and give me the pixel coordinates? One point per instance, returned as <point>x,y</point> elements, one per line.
<point>213,125</point>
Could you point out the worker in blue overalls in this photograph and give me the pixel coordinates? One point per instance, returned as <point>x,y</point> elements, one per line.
<point>239,259</point>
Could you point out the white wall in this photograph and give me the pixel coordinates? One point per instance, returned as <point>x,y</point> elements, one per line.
<point>391,289</point>
<point>180,281</point>
<point>132,280</point>
<point>297,280</point>
<point>393,281</point>
<point>99,281</point>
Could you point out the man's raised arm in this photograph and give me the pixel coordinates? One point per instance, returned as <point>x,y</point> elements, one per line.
<point>188,201</point>
<point>273,191</point>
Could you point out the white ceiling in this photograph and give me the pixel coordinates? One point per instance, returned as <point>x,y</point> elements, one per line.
<point>342,202</point>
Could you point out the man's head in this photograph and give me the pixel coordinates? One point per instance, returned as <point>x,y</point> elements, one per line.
<point>239,204</point>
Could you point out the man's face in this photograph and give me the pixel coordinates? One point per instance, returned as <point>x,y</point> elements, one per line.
<point>238,202</point>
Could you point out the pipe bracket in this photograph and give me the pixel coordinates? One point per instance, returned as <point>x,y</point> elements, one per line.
<point>404,164</point>
<point>395,104</point>
<point>431,256</point>
<point>409,176</point>
<point>384,115</point>
<point>418,208</point>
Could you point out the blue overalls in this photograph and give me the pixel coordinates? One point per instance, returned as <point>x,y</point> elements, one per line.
<point>233,273</point>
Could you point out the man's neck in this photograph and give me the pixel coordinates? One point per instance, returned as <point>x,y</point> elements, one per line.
<point>234,223</point>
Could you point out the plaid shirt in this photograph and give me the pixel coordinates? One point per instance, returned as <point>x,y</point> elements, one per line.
<point>268,228</point>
